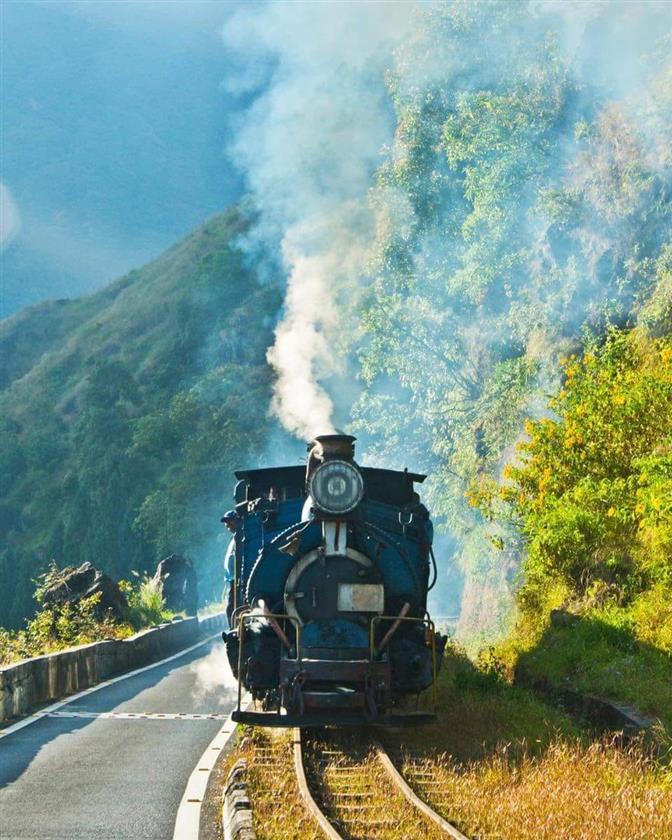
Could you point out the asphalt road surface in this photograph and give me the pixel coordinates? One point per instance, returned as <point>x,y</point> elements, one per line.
<point>76,775</point>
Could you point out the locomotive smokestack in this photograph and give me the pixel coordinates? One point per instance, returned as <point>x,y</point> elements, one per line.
<point>328,448</point>
<point>335,446</point>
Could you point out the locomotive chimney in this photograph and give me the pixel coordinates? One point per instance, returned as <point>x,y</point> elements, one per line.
<point>328,448</point>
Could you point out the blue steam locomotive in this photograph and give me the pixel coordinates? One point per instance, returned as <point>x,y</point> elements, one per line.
<point>327,605</point>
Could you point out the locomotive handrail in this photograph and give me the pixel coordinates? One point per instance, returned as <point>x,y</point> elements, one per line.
<point>425,621</point>
<point>251,614</point>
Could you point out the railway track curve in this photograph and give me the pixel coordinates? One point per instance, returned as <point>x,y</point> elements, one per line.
<point>354,790</point>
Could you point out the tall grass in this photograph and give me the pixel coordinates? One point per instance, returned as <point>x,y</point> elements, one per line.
<point>147,606</point>
<point>572,790</point>
<point>504,765</point>
<point>278,810</point>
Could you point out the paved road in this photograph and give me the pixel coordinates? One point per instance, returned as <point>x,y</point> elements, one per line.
<point>90,777</point>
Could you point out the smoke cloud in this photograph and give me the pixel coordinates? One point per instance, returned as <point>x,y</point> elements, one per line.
<point>309,146</point>
<point>213,675</point>
<point>10,219</point>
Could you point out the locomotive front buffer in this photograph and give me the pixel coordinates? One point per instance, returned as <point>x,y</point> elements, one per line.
<point>327,606</point>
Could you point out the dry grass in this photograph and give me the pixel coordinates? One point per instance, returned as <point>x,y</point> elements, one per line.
<point>358,795</point>
<point>571,791</point>
<point>477,711</point>
<point>501,764</point>
<point>277,806</point>
<point>355,792</point>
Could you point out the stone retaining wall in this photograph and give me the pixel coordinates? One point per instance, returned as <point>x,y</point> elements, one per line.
<point>606,715</point>
<point>43,679</point>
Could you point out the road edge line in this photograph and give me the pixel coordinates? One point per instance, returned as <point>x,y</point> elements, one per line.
<point>35,716</point>
<point>188,818</point>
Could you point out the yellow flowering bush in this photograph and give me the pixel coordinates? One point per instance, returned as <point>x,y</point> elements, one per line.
<point>593,489</point>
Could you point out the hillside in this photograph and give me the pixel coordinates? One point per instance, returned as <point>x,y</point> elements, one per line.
<point>125,412</point>
<point>592,497</point>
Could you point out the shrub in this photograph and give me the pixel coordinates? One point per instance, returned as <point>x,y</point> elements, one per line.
<point>146,604</point>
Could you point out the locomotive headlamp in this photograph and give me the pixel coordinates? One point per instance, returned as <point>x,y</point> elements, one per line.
<point>336,487</point>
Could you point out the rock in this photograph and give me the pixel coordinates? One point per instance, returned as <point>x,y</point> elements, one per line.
<point>175,579</point>
<point>563,618</point>
<point>75,584</point>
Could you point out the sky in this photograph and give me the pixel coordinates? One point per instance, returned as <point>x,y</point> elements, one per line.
<point>115,125</point>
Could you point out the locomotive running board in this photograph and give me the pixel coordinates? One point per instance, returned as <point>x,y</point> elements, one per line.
<point>329,718</point>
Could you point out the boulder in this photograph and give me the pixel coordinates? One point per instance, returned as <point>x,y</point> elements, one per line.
<point>175,579</point>
<point>74,584</point>
<point>564,618</point>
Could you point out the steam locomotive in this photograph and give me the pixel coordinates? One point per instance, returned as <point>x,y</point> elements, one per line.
<point>327,607</point>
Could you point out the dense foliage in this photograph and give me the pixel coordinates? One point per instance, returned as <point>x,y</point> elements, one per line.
<point>592,498</point>
<point>524,198</point>
<point>594,491</point>
<point>125,413</point>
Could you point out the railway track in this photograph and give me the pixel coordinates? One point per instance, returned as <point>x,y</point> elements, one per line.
<point>352,787</point>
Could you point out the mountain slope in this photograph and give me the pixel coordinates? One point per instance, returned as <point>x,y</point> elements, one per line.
<point>124,413</point>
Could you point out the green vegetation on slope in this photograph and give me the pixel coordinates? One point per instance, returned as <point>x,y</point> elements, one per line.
<point>524,199</point>
<point>125,413</point>
<point>593,500</point>
<point>58,626</point>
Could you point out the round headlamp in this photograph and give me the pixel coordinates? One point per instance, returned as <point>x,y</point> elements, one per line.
<point>336,487</point>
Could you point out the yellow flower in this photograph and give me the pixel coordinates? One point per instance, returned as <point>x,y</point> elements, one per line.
<point>639,508</point>
<point>611,511</point>
<point>619,399</point>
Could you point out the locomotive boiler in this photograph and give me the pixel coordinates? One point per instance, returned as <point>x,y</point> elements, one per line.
<point>331,565</point>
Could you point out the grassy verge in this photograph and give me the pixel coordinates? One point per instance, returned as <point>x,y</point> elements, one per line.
<point>500,763</point>
<point>570,791</point>
<point>602,652</point>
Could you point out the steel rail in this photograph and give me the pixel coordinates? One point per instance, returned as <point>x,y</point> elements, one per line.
<point>312,797</point>
<point>412,797</point>
<point>304,790</point>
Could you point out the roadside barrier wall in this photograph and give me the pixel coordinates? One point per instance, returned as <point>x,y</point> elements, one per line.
<point>33,682</point>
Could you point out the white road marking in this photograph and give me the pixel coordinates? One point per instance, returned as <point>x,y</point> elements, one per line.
<point>55,706</point>
<point>140,715</point>
<point>188,821</point>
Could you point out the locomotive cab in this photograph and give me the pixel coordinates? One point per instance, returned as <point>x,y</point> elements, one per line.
<point>328,600</point>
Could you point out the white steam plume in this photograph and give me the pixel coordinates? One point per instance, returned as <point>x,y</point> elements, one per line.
<point>213,675</point>
<point>309,145</point>
<point>10,220</point>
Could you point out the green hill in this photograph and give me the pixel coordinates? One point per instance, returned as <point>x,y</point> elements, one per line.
<point>124,413</point>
